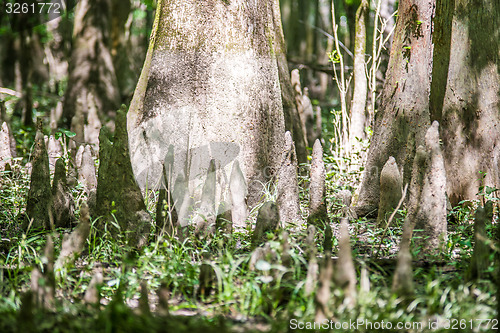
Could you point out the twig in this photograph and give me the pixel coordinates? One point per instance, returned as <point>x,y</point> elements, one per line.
<point>326,34</point>
<point>11,92</point>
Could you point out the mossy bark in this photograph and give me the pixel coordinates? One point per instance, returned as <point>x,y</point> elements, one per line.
<point>118,195</point>
<point>391,188</point>
<point>39,194</point>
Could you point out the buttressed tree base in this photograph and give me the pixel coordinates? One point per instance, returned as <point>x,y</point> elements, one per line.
<point>210,87</point>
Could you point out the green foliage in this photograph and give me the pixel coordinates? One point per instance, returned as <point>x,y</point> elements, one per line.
<point>272,293</point>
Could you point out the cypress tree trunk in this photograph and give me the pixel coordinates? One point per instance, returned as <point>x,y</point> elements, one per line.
<point>403,118</point>
<point>465,93</point>
<point>210,87</point>
<point>461,58</point>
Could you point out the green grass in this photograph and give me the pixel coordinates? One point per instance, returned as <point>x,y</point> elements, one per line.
<point>267,297</point>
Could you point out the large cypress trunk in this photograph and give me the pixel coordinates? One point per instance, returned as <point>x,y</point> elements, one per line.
<point>210,88</point>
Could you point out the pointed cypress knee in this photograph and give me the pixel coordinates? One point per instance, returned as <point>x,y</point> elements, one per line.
<point>312,276</point>
<point>39,194</point>
<point>345,272</point>
<point>74,243</point>
<point>310,242</point>
<point>119,186</point>
<point>427,199</point>
<point>364,281</point>
<point>224,221</point>
<point>144,307</point>
<point>312,265</point>
<point>86,172</point>
<point>391,188</point>
<point>43,284</point>
<point>267,221</point>
<point>317,209</point>
<point>402,283</point>
<point>92,295</point>
<point>103,197</point>
<point>323,293</point>
<point>63,205</point>
<point>288,187</point>
<point>54,151</point>
<point>239,191</point>
<point>204,221</point>
<point>183,200</point>
<point>206,277</point>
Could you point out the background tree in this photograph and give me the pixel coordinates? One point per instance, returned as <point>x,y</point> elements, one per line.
<point>92,82</point>
<point>360,91</point>
<point>210,87</point>
<point>463,96</point>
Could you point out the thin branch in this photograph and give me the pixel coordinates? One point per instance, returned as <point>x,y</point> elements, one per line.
<point>326,34</point>
<point>11,92</point>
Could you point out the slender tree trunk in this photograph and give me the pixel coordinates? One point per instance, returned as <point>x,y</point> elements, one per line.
<point>210,87</point>
<point>358,117</point>
<point>350,8</point>
<point>291,114</point>
<point>387,8</point>
<point>387,23</point>
<point>120,46</point>
<point>92,79</point>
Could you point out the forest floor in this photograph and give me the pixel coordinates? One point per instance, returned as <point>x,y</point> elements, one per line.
<point>266,295</point>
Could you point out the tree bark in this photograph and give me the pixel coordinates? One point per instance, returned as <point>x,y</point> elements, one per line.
<point>403,118</point>
<point>210,86</point>
<point>465,93</point>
